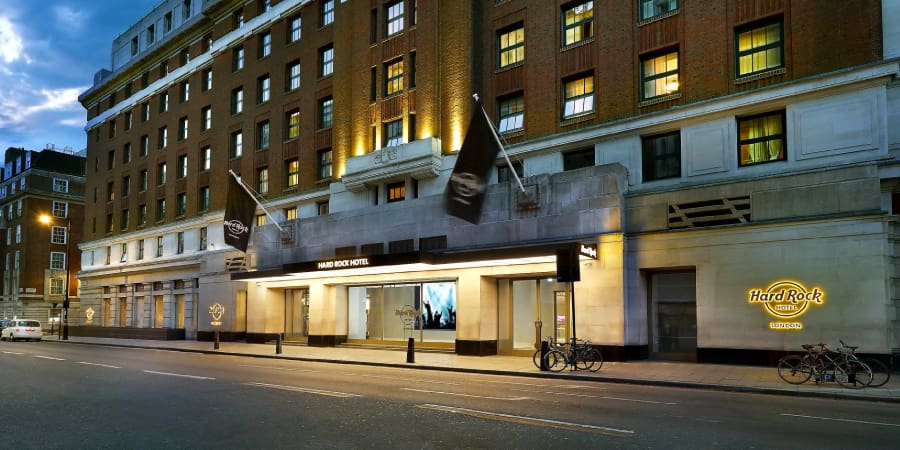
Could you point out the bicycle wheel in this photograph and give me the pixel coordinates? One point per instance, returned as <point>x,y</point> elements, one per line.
<point>881,373</point>
<point>853,374</point>
<point>536,359</point>
<point>583,358</point>
<point>794,369</point>
<point>555,361</point>
<point>596,359</point>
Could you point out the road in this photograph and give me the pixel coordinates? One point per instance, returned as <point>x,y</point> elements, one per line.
<point>81,396</point>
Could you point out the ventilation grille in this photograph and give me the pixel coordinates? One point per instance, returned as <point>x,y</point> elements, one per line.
<point>710,213</point>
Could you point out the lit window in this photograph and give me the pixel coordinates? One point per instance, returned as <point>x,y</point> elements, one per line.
<point>60,209</point>
<point>661,156</point>
<point>512,114</point>
<point>262,181</point>
<point>761,138</point>
<point>395,18</point>
<point>57,260</point>
<point>759,49</point>
<point>261,220</point>
<point>326,60</point>
<point>393,73</point>
<point>653,8</point>
<point>578,23</point>
<point>292,169</point>
<point>290,213</point>
<point>57,235</point>
<point>325,112</point>
<point>292,118</point>
<point>512,46</point>
<point>579,96</point>
<point>393,133</point>
<point>396,192</point>
<point>659,75</point>
<point>327,12</point>
<point>60,185</point>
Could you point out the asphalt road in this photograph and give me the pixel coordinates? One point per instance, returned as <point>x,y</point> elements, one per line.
<point>79,396</point>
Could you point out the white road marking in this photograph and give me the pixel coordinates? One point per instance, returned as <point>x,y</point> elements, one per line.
<point>304,390</point>
<point>286,369</point>
<point>196,377</point>
<point>531,420</point>
<point>49,357</point>
<point>467,395</point>
<point>561,386</point>
<point>603,397</point>
<point>13,353</point>
<point>98,364</point>
<point>413,380</point>
<point>842,420</point>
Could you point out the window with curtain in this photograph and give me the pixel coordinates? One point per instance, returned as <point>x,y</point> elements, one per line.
<point>761,138</point>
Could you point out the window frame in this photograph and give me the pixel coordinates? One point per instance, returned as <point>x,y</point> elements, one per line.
<point>581,28</point>
<point>511,46</point>
<point>661,156</point>
<point>752,51</point>
<point>578,98</point>
<point>393,16</point>
<point>324,164</point>
<point>292,173</point>
<point>391,140</point>
<point>664,76</point>
<point>292,124</point>
<point>654,6</point>
<point>326,66</point>
<point>782,137</point>
<point>393,77</point>
<point>507,113</point>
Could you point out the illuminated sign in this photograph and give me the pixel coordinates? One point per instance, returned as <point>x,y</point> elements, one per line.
<point>588,250</point>
<point>216,311</point>
<point>342,263</point>
<point>786,300</point>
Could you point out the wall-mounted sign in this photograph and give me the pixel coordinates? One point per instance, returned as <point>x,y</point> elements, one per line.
<point>588,250</point>
<point>345,263</point>
<point>786,300</point>
<point>216,311</point>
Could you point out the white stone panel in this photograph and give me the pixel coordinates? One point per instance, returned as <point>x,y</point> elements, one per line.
<point>835,125</point>
<point>706,148</point>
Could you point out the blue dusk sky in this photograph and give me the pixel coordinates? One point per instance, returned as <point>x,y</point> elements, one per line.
<point>49,53</point>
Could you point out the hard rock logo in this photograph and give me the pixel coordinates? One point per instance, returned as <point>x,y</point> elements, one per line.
<point>786,299</point>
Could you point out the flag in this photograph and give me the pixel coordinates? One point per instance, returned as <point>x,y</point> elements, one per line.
<point>239,211</point>
<point>465,190</point>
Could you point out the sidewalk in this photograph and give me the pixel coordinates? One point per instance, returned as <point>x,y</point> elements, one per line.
<point>674,374</point>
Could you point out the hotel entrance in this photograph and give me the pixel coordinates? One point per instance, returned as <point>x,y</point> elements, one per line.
<point>529,311</point>
<point>296,314</point>
<point>673,315</point>
<point>390,314</point>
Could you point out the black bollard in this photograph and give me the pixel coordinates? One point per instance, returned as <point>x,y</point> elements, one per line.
<point>277,343</point>
<point>545,348</point>
<point>410,351</point>
<point>216,340</point>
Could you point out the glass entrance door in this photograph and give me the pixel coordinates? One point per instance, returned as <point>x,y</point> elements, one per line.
<point>673,312</point>
<point>530,310</point>
<point>296,314</point>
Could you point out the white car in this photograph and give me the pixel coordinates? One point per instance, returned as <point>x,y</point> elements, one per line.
<point>22,329</point>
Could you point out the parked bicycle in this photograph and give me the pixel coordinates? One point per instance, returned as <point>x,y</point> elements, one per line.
<point>823,364</point>
<point>578,354</point>
<point>881,373</point>
<point>554,345</point>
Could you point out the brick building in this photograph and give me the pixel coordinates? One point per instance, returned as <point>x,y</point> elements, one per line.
<point>715,153</point>
<point>37,256</point>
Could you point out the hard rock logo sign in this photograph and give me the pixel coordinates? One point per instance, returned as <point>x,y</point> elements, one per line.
<point>786,300</point>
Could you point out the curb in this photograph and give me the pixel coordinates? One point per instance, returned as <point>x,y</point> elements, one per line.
<point>563,376</point>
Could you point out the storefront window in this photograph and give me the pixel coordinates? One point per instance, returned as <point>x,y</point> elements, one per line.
<point>396,312</point>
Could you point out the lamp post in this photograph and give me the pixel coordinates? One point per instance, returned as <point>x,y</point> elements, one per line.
<point>64,328</point>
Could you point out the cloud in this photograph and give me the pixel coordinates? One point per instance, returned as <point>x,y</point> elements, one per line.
<point>69,19</point>
<point>10,42</point>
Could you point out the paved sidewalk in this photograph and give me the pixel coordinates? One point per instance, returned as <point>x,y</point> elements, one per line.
<point>689,375</point>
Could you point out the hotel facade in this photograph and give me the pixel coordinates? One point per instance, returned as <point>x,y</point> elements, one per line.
<point>726,170</point>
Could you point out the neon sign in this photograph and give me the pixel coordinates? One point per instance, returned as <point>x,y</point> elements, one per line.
<point>786,300</point>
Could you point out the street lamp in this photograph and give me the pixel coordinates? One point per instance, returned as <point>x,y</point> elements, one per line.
<point>48,220</point>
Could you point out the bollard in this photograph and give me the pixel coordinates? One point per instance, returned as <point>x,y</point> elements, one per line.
<point>216,340</point>
<point>545,348</point>
<point>277,343</point>
<point>410,351</point>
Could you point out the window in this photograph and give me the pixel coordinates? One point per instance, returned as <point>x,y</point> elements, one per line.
<point>161,174</point>
<point>263,89</point>
<point>393,77</point>
<point>181,200</point>
<point>164,102</point>
<point>142,215</point>
<point>412,70</point>
<point>125,219</point>
<point>324,164</point>
<point>292,170</point>
<point>110,160</point>
<point>60,185</point>
<point>512,46</point>
<point>293,29</point>
<point>206,43</point>
<point>505,173</point>
<point>260,220</point>
<point>207,79</point>
<point>151,35</point>
<point>659,75</point>
<point>237,19</point>
<point>129,122</point>
<point>292,119</point>
<point>206,116</point>
<point>262,135</point>
<point>167,22</point>
<point>185,56</point>
<point>322,208</point>
<point>759,49</point>
<point>761,138</point>
<point>326,12</point>
<point>58,261</point>
<point>57,235</point>
<point>396,192</point>
<point>60,209</point>
<point>203,199</point>
<point>237,100</point>
<point>126,186</point>
<point>292,75</point>
<point>182,128</point>
<point>162,138</point>
<point>579,96</point>
<point>394,18</point>
<point>185,91</point>
<point>204,238</point>
<point>145,111</point>
<point>262,180</point>
<point>159,246</point>
<point>145,180</point>
<point>325,112</point>
<point>290,213</point>
<point>186,9</point>
<point>237,144</point>
<point>112,128</point>
<point>393,133</point>
<point>161,210</point>
<point>661,156</point>
<point>265,44</point>
<point>578,23</point>
<point>205,158</point>
<point>578,159</point>
<point>263,6</point>
<point>182,166</point>
<point>237,59</point>
<point>140,249</point>
<point>326,60</point>
<point>654,8</point>
<point>145,145</point>
<point>512,114</point>
<point>110,191</point>
<point>134,46</point>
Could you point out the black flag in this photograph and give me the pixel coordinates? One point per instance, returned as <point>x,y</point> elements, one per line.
<point>239,211</point>
<point>465,191</point>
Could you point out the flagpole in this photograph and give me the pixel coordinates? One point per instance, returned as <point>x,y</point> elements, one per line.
<point>497,138</point>
<point>241,182</point>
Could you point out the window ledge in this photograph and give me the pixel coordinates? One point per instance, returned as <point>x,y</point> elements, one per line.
<point>513,133</point>
<point>761,75</point>
<point>509,66</point>
<point>660,99</point>
<point>578,44</point>
<point>658,18</point>
<point>577,119</point>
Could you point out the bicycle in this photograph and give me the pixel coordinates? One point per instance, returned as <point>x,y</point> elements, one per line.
<point>577,353</point>
<point>536,358</point>
<point>826,365</point>
<point>881,373</point>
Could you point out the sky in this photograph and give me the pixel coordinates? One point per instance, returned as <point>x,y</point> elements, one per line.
<point>49,53</point>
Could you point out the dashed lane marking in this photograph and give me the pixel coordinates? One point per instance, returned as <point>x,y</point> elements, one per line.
<point>842,420</point>
<point>466,395</point>
<point>608,431</point>
<point>603,397</point>
<point>303,389</point>
<point>196,377</point>
<point>98,364</point>
<point>49,357</point>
